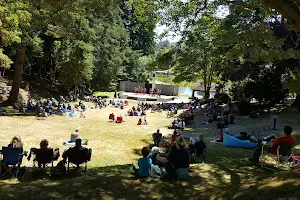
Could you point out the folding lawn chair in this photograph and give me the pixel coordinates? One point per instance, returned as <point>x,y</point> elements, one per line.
<point>79,157</point>
<point>43,159</point>
<point>12,159</point>
<point>283,154</point>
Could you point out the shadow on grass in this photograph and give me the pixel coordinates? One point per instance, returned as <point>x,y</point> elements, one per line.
<point>207,181</point>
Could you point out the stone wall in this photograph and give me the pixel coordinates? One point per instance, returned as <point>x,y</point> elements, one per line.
<point>128,86</point>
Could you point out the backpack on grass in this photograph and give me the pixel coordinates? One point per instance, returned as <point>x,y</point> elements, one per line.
<point>60,169</point>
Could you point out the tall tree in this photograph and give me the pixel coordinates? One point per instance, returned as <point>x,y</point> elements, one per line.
<point>14,19</point>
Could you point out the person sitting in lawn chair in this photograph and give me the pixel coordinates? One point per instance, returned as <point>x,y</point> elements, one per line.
<point>275,143</point>
<point>44,155</point>
<point>15,143</point>
<point>72,151</point>
<point>119,119</point>
<point>197,149</point>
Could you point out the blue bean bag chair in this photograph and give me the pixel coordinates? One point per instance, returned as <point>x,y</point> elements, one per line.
<point>231,141</point>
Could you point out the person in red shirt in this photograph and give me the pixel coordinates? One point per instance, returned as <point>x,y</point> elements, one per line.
<point>287,138</point>
<point>119,119</point>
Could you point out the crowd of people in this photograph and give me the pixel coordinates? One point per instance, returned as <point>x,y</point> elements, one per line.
<point>140,90</point>
<point>178,154</point>
<point>177,157</point>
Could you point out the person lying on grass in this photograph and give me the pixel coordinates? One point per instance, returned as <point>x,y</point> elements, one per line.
<point>176,159</point>
<point>144,164</point>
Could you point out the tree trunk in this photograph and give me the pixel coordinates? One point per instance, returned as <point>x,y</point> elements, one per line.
<point>14,93</point>
<point>290,9</point>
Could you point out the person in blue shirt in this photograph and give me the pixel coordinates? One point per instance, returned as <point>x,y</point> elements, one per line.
<point>144,164</point>
<point>69,108</point>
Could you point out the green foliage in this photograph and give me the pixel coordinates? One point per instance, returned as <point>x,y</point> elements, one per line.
<point>13,18</point>
<point>80,64</point>
<point>80,43</point>
<point>294,83</point>
<point>139,17</point>
<point>110,47</point>
<point>5,60</point>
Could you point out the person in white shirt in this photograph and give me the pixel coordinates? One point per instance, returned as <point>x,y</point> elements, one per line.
<point>181,124</point>
<point>74,135</point>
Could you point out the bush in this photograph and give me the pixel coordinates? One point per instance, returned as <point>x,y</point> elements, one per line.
<point>222,97</point>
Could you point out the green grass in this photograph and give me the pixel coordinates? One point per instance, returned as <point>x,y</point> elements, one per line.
<point>166,80</point>
<point>104,94</point>
<point>226,174</point>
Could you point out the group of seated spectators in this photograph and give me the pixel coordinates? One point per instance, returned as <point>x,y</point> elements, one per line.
<point>177,124</point>
<point>119,103</point>
<point>177,157</point>
<point>118,119</point>
<point>140,122</point>
<point>44,108</point>
<point>45,154</point>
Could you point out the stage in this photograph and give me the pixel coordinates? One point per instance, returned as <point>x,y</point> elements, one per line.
<point>146,97</point>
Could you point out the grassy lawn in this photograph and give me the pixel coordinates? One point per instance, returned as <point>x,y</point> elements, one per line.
<point>104,94</point>
<point>226,174</point>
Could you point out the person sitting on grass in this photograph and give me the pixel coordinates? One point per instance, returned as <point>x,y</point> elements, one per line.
<point>181,124</point>
<point>83,107</point>
<point>154,152</point>
<point>145,122</point>
<point>156,137</point>
<point>176,159</point>
<point>74,135</point>
<point>69,108</point>
<point>119,119</point>
<point>198,149</point>
<point>139,122</point>
<point>73,114</point>
<point>275,143</point>
<point>82,115</point>
<point>144,164</point>
<point>111,116</point>
<point>174,136</point>
<point>222,135</point>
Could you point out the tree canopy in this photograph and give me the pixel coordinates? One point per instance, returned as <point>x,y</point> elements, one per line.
<point>79,45</point>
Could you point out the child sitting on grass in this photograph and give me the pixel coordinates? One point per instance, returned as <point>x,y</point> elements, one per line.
<point>139,122</point>
<point>143,167</point>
